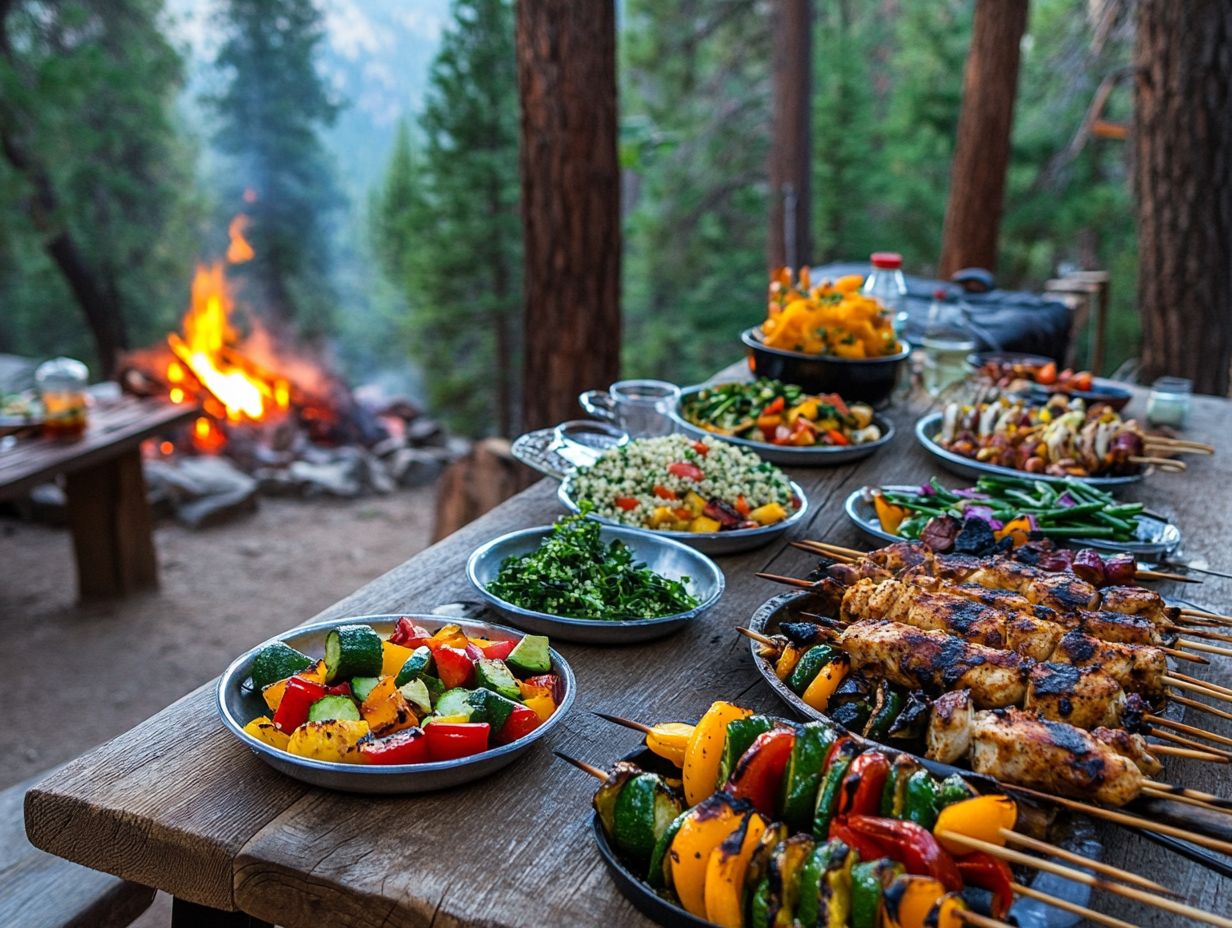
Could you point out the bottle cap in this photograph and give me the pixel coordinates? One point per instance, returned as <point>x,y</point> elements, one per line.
<point>889,260</point>
<point>941,294</point>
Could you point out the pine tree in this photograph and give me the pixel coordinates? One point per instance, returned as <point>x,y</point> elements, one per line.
<point>448,227</point>
<point>270,116</point>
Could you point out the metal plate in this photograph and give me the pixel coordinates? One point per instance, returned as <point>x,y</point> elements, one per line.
<point>744,539</point>
<point>239,703</point>
<point>662,555</point>
<point>1159,536</point>
<point>930,425</point>
<point>816,456</point>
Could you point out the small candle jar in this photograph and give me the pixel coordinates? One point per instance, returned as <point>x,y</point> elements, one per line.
<point>62,384</point>
<point>1168,403</point>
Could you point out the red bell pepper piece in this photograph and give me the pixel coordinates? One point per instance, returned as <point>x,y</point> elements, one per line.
<point>837,438</point>
<point>833,399</point>
<point>867,848</point>
<point>299,695</point>
<point>664,493</point>
<point>408,634</point>
<point>685,469</point>
<point>339,689</point>
<point>454,667</point>
<point>626,503</point>
<point>911,845</point>
<point>409,746</point>
<point>759,772</point>
<point>453,740</point>
<point>775,405</point>
<point>701,448</point>
<point>860,793</point>
<point>554,685</point>
<point>522,721</point>
<point>742,505</point>
<point>498,650</point>
<point>990,873</point>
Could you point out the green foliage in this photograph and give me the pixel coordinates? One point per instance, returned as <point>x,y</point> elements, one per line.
<point>87,91</point>
<point>269,120</point>
<point>447,227</point>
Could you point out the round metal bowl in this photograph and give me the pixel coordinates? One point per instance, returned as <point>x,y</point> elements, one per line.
<point>664,556</point>
<point>743,539</point>
<point>930,425</point>
<point>239,704</point>
<point>815,456</point>
<point>1155,536</point>
<point>869,379</point>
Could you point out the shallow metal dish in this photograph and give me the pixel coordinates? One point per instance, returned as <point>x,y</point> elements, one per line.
<point>239,704</point>
<point>816,456</point>
<point>930,425</point>
<point>1158,536</point>
<point>664,556</point>
<point>743,539</point>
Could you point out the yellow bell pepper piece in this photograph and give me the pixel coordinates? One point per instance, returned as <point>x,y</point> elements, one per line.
<point>908,901</point>
<point>768,514</point>
<point>334,740</point>
<point>670,740</point>
<point>706,827</point>
<point>889,515</point>
<point>725,870</point>
<point>787,661</point>
<point>818,693</point>
<point>705,750</point>
<point>694,502</point>
<point>851,283</point>
<point>448,719</point>
<point>272,694</point>
<point>262,728</point>
<point>704,524</point>
<point>947,912</point>
<point>1016,529</point>
<point>982,817</point>
<point>662,515</point>
<point>393,656</point>
<point>386,709</point>
<point>542,705</point>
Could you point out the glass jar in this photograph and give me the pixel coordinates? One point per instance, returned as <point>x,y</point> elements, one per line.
<point>62,385</point>
<point>1168,403</point>
<point>886,283</point>
<point>946,344</point>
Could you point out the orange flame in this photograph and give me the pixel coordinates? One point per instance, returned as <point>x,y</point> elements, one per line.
<point>238,251</point>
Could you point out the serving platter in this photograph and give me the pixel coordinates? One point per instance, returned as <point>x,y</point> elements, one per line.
<point>930,425</point>
<point>743,539</point>
<point>1156,536</point>
<point>813,456</point>
<point>239,703</point>
<point>664,556</point>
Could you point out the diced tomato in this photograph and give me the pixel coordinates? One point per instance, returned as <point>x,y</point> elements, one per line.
<point>552,683</point>
<point>408,634</point>
<point>776,405</point>
<point>685,469</point>
<point>664,493</point>
<point>837,438</point>
<point>701,448</point>
<point>626,503</point>
<point>742,505</point>
<point>292,711</point>
<point>453,740</point>
<point>454,667</point>
<point>836,401</point>
<point>498,650</point>
<point>341,689</point>
<point>409,746</point>
<point>522,721</point>
<point>683,513</point>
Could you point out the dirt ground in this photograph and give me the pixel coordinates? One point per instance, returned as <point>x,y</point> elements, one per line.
<point>108,667</point>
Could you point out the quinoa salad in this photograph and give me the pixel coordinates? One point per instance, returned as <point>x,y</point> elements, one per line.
<point>679,484</point>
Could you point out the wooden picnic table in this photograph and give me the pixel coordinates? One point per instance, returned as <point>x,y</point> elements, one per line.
<point>109,516</point>
<point>179,804</point>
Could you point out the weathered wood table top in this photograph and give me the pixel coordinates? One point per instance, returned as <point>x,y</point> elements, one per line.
<point>179,804</point>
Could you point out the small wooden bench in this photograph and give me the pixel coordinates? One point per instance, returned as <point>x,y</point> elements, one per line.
<point>113,531</point>
<point>40,890</point>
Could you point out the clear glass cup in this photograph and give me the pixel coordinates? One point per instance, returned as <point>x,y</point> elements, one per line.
<point>643,408</point>
<point>946,343</point>
<point>62,385</point>
<point>1169,402</point>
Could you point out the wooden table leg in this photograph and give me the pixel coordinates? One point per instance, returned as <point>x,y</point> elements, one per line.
<point>113,530</point>
<point>191,915</point>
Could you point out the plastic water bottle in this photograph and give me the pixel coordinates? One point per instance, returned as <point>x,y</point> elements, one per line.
<point>887,284</point>
<point>947,342</point>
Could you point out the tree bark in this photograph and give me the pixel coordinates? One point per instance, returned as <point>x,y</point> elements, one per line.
<point>790,241</point>
<point>570,203</point>
<point>982,149</point>
<point>1183,180</point>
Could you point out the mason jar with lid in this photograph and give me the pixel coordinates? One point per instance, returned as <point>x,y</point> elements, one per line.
<point>62,385</point>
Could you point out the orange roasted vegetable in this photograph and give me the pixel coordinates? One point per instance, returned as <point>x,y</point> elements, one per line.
<point>889,515</point>
<point>704,751</point>
<point>725,870</point>
<point>982,817</point>
<point>706,826</point>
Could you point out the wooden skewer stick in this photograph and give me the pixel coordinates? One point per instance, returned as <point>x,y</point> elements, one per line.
<point>1201,706</point>
<point>1216,802</point>
<point>1183,800</point>
<point>1181,655</point>
<point>1124,818</point>
<point>816,547</point>
<point>583,766</point>
<point>789,581</point>
<point>1078,876</point>
<point>1168,750</point>
<point>837,549</point>
<point>1186,742</point>
<point>1188,729</point>
<point>627,723</point>
<point>1193,684</point>
<point>1163,575</point>
<point>1169,464</point>
<point>1066,905</point>
<point>757,636</point>
<point>1043,847</point>
<point>1208,616</point>
<point>1198,446</point>
<point>1201,646</point>
<point>1198,633</point>
<point>976,920</point>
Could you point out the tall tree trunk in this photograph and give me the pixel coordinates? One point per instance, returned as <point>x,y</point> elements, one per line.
<point>790,240</point>
<point>1183,177</point>
<point>982,150</point>
<point>570,203</point>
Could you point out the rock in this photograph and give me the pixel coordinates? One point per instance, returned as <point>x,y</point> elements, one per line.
<point>201,491</point>
<point>219,507</point>
<point>48,504</point>
<point>387,447</point>
<point>377,477</point>
<point>414,467</point>
<point>424,432</point>
<point>332,479</point>
<point>402,408</point>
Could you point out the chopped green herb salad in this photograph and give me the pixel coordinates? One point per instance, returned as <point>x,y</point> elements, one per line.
<point>573,574</point>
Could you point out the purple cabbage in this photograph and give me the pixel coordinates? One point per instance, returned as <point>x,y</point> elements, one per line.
<point>984,514</point>
<point>1065,501</point>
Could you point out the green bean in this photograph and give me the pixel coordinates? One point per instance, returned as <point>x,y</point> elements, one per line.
<point>1120,524</point>
<point>1081,509</point>
<point>1093,531</point>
